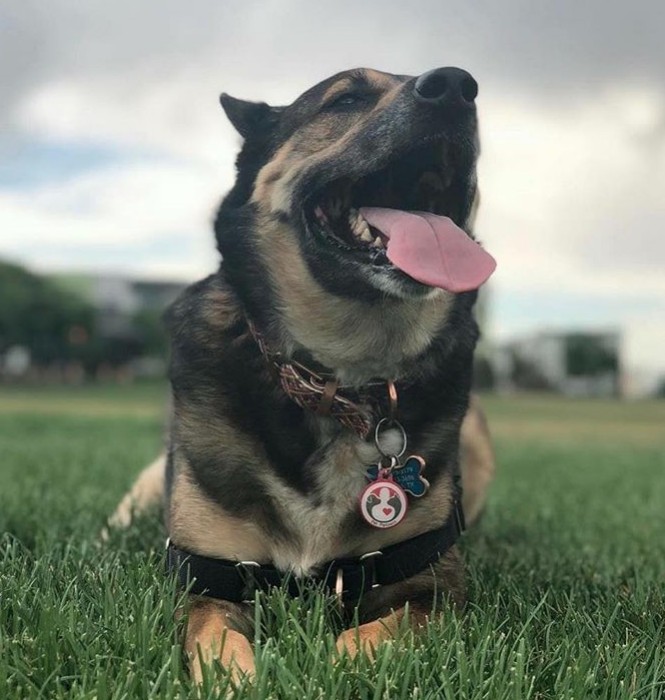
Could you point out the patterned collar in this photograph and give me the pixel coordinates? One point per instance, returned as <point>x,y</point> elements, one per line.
<point>356,408</point>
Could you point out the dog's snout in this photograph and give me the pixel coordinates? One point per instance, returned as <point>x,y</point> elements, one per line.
<point>446,87</point>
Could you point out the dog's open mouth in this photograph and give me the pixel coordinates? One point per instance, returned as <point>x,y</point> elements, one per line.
<point>401,217</point>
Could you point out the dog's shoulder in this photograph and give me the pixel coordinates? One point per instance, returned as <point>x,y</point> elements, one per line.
<point>205,310</point>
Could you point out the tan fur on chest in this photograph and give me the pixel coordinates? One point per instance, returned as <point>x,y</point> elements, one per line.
<point>341,479</point>
<point>315,522</point>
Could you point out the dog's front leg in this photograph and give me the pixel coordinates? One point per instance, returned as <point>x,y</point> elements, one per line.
<point>212,634</point>
<point>446,575</point>
<point>366,638</point>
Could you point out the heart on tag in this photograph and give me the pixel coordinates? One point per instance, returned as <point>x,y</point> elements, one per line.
<point>383,503</point>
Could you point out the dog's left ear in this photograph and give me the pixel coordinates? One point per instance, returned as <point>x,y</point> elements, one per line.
<point>247,117</point>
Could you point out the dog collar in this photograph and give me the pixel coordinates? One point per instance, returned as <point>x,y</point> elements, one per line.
<point>323,395</point>
<point>347,578</point>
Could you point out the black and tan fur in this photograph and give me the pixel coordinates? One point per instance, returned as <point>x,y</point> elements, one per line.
<point>251,476</point>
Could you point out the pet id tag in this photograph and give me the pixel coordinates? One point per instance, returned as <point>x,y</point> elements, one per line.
<point>383,503</point>
<point>408,476</point>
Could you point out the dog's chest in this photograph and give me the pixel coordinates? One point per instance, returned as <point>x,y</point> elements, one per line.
<point>338,472</point>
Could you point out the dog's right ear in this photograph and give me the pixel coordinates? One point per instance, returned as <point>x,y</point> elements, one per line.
<point>247,117</point>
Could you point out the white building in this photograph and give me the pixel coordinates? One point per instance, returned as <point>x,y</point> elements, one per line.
<point>571,363</point>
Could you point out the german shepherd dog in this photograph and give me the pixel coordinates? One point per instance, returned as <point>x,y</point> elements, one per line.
<point>337,330</point>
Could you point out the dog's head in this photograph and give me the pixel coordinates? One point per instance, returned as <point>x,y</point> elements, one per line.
<point>325,172</point>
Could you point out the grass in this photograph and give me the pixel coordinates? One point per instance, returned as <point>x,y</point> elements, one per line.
<point>566,570</point>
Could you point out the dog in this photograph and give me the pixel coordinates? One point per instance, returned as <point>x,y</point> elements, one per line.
<point>321,419</point>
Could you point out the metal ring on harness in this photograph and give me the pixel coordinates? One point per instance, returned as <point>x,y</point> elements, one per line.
<point>392,424</point>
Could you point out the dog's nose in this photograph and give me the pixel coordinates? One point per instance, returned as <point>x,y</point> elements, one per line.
<point>446,87</point>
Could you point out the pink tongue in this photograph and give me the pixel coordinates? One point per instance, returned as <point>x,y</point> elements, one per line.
<point>431,249</point>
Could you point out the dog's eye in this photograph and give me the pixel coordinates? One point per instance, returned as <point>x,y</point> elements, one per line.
<point>347,99</point>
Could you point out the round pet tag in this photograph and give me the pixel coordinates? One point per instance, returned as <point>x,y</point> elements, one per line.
<point>383,503</point>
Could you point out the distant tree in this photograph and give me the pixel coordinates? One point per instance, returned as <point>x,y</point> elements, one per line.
<point>660,389</point>
<point>149,327</point>
<point>589,356</point>
<point>52,323</point>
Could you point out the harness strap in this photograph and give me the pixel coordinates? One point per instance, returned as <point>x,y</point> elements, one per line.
<point>236,581</point>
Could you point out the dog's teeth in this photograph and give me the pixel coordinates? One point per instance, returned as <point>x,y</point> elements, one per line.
<point>360,229</point>
<point>359,226</point>
<point>320,214</point>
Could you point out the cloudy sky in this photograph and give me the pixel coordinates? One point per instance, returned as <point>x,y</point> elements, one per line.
<point>114,151</point>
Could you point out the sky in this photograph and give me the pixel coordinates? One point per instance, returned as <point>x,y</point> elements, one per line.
<point>114,151</point>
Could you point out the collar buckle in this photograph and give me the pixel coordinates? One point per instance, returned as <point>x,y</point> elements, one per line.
<point>248,571</point>
<point>370,569</point>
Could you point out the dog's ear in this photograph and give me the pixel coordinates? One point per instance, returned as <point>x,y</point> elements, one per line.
<point>247,117</point>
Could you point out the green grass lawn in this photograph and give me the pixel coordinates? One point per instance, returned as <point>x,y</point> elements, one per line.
<point>566,570</point>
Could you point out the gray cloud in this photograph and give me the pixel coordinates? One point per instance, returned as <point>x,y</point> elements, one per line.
<point>563,50</point>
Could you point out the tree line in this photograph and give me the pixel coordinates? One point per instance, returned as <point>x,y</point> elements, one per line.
<point>58,326</point>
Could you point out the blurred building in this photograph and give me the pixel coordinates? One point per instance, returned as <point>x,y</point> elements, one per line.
<point>119,299</point>
<point>128,318</point>
<point>570,363</point>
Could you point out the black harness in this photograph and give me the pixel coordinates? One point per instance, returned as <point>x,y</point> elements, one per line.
<point>348,578</point>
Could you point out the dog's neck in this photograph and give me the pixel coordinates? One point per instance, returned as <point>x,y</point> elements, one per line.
<point>358,341</point>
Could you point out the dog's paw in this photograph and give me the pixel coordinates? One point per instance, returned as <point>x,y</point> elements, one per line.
<point>363,640</point>
<point>236,655</point>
